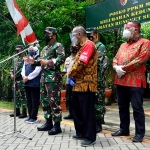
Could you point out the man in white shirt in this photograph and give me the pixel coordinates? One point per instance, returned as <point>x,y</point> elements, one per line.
<point>31,75</point>
<point>67,66</point>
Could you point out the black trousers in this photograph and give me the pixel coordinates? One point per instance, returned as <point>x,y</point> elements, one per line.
<point>69,98</point>
<point>134,95</point>
<point>33,101</point>
<point>84,114</point>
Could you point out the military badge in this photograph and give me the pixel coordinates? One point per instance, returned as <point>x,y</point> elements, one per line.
<point>123,2</point>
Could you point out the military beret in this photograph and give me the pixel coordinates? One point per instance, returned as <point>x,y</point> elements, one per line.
<point>89,30</point>
<point>51,29</point>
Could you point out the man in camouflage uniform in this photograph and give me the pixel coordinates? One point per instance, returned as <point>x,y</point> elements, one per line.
<point>102,67</point>
<point>52,57</point>
<point>20,91</point>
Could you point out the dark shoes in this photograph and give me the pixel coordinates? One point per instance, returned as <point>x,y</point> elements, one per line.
<point>68,117</point>
<point>98,129</point>
<point>98,126</point>
<point>24,113</point>
<point>137,138</point>
<point>120,133</point>
<point>78,137</point>
<point>87,143</point>
<point>12,115</point>
<point>22,116</point>
<point>54,131</point>
<point>17,113</point>
<point>45,127</point>
<point>102,122</point>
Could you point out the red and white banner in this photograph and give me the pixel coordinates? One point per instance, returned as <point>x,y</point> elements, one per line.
<point>23,27</point>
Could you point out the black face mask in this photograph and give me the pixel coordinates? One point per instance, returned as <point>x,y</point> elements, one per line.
<point>73,49</point>
<point>47,38</point>
<point>91,38</point>
<point>18,51</point>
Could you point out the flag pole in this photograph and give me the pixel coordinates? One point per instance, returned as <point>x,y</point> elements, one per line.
<point>13,56</point>
<point>14,91</point>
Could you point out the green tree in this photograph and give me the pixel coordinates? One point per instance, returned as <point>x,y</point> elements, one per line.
<point>62,14</point>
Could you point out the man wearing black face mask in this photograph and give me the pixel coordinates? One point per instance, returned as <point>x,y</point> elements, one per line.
<point>51,79</point>
<point>20,92</point>
<point>102,68</point>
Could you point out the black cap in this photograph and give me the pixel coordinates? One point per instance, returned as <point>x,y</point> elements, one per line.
<point>51,29</point>
<point>89,30</point>
<point>19,47</point>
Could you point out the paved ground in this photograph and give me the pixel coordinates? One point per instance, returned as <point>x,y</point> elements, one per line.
<point>42,141</point>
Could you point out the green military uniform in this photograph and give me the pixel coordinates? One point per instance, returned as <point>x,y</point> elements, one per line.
<point>102,67</point>
<point>20,91</point>
<point>51,81</point>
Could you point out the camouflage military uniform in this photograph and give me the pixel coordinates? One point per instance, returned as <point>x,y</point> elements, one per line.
<point>102,67</point>
<point>51,81</point>
<point>20,91</point>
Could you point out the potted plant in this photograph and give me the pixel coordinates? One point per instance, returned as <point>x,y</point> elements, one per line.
<point>108,92</point>
<point>109,85</point>
<point>63,93</point>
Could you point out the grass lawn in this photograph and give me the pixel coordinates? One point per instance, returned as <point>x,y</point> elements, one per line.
<point>9,105</point>
<point>6,105</point>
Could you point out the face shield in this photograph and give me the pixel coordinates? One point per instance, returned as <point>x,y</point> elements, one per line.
<point>33,52</point>
<point>73,38</point>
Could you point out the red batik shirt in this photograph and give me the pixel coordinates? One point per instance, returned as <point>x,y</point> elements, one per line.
<point>133,56</point>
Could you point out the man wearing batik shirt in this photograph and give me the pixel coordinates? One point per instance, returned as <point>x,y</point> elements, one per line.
<point>83,78</point>
<point>130,66</point>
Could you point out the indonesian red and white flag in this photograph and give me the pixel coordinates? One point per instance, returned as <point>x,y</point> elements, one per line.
<point>22,24</point>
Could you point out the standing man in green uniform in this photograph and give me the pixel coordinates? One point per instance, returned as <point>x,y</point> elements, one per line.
<point>51,80</point>
<point>102,67</point>
<point>20,91</point>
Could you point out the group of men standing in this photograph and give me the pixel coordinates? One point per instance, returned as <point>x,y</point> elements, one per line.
<point>52,57</point>
<point>86,82</point>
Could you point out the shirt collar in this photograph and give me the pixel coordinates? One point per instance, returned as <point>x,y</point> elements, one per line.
<point>82,43</point>
<point>134,40</point>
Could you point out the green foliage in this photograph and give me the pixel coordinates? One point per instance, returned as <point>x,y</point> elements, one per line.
<point>5,83</point>
<point>61,14</point>
<point>145,30</point>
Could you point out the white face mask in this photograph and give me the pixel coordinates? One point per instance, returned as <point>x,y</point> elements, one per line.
<point>128,33</point>
<point>74,40</point>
